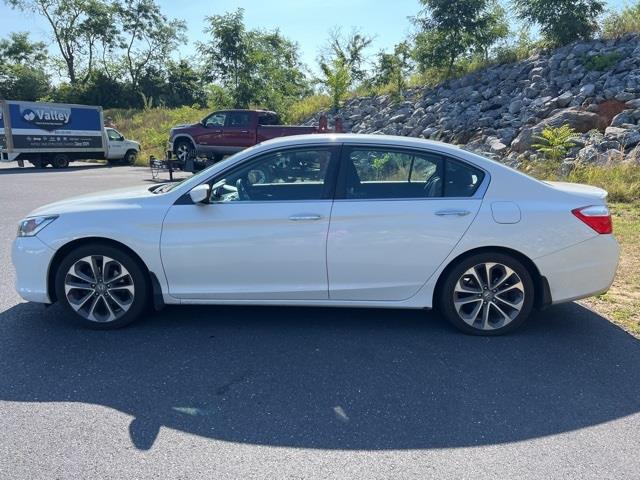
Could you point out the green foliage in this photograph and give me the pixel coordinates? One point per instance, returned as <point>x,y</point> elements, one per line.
<point>392,69</point>
<point>305,108</point>
<point>621,180</point>
<point>150,127</point>
<point>22,64</point>
<point>348,50</point>
<point>452,29</point>
<point>601,63</point>
<point>622,23</point>
<point>561,21</point>
<point>336,80</point>
<point>520,48</point>
<point>260,68</point>
<point>555,142</point>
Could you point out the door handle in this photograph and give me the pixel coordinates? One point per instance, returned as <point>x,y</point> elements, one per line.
<point>457,213</point>
<point>305,217</point>
<point>244,131</point>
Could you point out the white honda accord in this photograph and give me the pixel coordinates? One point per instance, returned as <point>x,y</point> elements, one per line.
<point>326,220</point>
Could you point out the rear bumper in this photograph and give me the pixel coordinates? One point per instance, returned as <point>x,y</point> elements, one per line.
<point>581,271</point>
<point>31,259</point>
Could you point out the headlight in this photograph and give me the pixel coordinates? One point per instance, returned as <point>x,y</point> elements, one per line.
<point>32,226</point>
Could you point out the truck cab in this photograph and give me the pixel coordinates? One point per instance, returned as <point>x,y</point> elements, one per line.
<point>120,149</point>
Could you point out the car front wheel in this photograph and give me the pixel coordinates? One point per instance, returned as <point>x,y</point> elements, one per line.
<point>487,294</point>
<point>102,286</point>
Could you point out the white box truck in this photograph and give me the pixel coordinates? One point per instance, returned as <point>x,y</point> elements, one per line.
<point>53,133</point>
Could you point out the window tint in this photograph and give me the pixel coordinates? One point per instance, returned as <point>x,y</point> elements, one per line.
<point>461,179</point>
<point>268,119</point>
<point>216,120</point>
<point>239,119</point>
<point>369,173</point>
<point>280,176</point>
<point>382,173</point>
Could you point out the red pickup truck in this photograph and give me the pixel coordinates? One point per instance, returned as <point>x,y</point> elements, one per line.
<point>228,131</point>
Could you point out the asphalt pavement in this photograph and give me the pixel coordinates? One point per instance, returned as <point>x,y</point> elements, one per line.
<point>302,393</point>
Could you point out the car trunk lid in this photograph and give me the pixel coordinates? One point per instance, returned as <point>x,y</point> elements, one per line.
<point>585,191</point>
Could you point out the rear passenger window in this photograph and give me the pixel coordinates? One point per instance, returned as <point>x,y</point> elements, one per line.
<point>391,174</point>
<point>239,119</point>
<point>461,179</point>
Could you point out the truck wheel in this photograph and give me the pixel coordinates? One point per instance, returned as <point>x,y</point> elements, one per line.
<point>184,150</point>
<point>60,161</point>
<point>131,157</point>
<point>38,163</point>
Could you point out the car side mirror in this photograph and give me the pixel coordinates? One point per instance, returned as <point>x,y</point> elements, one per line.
<point>200,194</point>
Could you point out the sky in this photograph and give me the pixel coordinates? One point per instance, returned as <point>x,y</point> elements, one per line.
<point>305,21</point>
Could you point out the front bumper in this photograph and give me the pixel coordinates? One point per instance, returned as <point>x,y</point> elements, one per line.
<point>582,270</point>
<point>31,259</point>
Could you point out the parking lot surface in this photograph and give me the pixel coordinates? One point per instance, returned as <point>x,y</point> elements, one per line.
<point>302,393</point>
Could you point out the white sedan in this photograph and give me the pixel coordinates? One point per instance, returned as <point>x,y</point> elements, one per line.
<point>326,220</point>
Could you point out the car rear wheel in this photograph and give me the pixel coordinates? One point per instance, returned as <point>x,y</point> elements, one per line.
<point>487,294</point>
<point>102,286</point>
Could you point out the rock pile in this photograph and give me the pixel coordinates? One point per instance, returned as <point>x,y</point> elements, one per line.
<point>594,87</point>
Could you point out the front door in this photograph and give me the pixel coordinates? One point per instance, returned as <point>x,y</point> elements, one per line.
<point>263,234</point>
<point>116,147</point>
<point>397,216</point>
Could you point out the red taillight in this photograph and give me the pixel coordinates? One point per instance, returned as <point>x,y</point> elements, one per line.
<point>597,217</point>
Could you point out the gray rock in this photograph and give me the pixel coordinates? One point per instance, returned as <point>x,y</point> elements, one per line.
<point>515,106</point>
<point>564,99</point>
<point>587,89</point>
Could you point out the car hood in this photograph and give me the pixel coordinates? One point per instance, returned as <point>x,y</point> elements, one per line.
<point>109,199</point>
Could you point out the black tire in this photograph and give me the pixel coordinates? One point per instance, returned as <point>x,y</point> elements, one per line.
<point>184,150</point>
<point>130,157</point>
<point>487,297</point>
<point>38,163</point>
<point>60,161</point>
<point>137,277</point>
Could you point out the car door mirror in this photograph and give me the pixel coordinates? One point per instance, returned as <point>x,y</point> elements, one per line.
<point>200,194</point>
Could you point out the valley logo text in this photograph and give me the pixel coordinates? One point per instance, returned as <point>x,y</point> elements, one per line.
<point>48,118</point>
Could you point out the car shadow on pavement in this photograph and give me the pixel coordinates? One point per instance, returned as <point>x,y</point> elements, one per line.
<point>328,378</point>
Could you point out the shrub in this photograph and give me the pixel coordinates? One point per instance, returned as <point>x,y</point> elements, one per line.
<point>303,109</point>
<point>601,63</point>
<point>554,143</point>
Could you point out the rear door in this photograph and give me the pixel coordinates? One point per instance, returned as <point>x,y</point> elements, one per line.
<point>397,215</point>
<point>239,131</point>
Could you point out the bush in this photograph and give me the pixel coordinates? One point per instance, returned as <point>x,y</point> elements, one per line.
<point>601,63</point>
<point>622,23</point>
<point>554,143</point>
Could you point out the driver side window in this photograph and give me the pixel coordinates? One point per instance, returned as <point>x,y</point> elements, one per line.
<point>301,174</point>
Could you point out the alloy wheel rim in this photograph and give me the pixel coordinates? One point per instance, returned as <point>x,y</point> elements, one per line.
<point>489,296</point>
<point>99,288</point>
<point>183,152</point>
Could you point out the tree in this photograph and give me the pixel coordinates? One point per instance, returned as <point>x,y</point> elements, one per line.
<point>349,50</point>
<point>76,27</point>
<point>451,29</point>
<point>22,68</point>
<point>562,21</point>
<point>147,36</point>
<point>256,67</point>
<point>393,68</point>
<point>337,80</point>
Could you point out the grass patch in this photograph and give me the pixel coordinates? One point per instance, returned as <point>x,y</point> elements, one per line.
<point>622,302</point>
<point>151,127</point>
